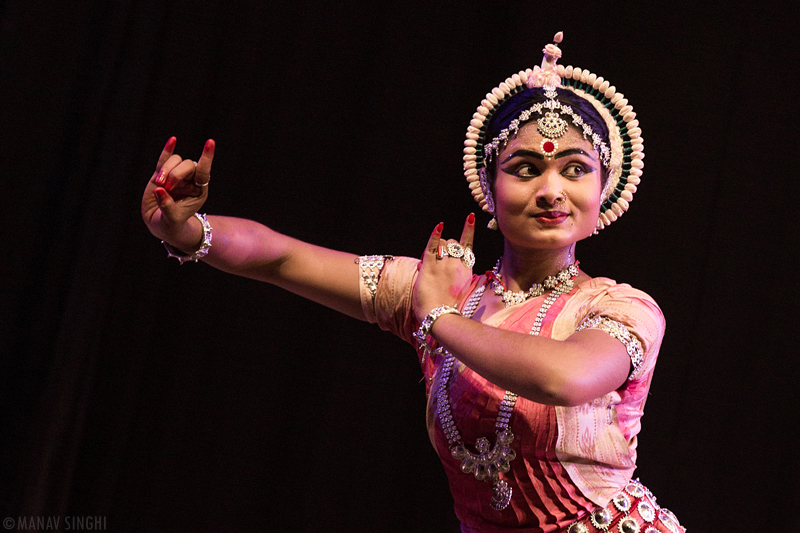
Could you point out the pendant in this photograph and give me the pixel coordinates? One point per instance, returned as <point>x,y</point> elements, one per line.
<point>501,495</point>
<point>489,463</point>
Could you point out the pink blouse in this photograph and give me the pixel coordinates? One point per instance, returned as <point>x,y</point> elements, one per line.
<point>569,459</point>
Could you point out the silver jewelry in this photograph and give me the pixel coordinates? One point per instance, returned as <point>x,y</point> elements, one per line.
<point>204,246</point>
<point>469,258</point>
<point>551,117</point>
<point>195,181</point>
<point>563,279</point>
<point>578,527</point>
<point>483,181</point>
<point>619,510</point>
<point>465,253</point>
<point>371,267</point>
<point>622,334</point>
<point>486,463</point>
<point>628,525</point>
<point>622,153</point>
<point>425,326</point>
<point>601,518</point>
<point>454,249</point>
<point>487,198</point>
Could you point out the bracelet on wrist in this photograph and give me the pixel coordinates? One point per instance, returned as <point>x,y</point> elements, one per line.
<point>425,329</point>
<point>204,246</point>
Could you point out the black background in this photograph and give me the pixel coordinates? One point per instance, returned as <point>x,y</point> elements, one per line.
<point>178,398</point>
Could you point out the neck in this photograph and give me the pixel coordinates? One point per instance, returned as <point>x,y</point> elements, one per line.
<point>521,269</point>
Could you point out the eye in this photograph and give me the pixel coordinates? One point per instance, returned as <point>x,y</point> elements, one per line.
<point>522,170</point>
<point>575,170</point>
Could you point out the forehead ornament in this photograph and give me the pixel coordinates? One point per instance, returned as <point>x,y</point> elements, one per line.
<point>621,155</point>
<point>551,126</point>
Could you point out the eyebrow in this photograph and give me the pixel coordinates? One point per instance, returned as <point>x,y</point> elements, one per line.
<point>520,153</point>
<point>573,151</point>
<point>537,155</point>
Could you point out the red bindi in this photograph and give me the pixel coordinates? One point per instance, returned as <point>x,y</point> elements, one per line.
<point>548,146</point>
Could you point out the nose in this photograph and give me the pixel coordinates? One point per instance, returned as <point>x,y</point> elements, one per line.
<point>550,191</point>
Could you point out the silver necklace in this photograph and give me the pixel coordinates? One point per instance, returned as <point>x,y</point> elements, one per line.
<point>564,276</point>
<point>488,463</point>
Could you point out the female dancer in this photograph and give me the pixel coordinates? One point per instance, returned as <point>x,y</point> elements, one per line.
<point>536,373</point>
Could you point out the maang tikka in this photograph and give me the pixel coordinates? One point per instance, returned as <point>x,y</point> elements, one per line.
<point>551,126</point>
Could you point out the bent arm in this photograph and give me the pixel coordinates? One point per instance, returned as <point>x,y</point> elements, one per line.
<point>585,366</point>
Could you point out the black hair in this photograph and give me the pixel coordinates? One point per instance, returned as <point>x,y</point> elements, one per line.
<point>516,104</point>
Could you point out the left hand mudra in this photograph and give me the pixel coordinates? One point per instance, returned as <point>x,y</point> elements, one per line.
<point>444,279</point>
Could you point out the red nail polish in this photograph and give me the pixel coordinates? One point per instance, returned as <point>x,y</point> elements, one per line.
<point>439,227</point>
<point>168,186</point>
<point>471,218</point>
<point>160,194</point>
<point>170,144</point>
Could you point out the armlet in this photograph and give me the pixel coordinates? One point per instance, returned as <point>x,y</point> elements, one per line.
<point>621,333</point>
<point>371,267</point>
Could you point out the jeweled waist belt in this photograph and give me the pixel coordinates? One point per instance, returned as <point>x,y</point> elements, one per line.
<point>633,510</point>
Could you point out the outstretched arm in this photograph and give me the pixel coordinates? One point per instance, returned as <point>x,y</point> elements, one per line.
<point>179,188</point>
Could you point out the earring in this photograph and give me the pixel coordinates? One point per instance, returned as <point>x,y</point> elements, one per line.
<point>487,194</point>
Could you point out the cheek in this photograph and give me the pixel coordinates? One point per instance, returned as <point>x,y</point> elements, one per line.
<point>589,194</point>
<point>509,196</point>
<point>587,202</point>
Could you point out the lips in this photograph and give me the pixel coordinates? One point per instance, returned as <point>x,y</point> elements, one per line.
<point>551,217</point>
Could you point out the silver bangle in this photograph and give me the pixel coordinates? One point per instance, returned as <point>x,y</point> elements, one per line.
<point>204,246</point>
<point>425,329</point>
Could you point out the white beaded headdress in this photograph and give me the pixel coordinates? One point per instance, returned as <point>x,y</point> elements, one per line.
<point>622,157</point>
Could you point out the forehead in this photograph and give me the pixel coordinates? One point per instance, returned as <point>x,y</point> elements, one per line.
<point>529,138</point>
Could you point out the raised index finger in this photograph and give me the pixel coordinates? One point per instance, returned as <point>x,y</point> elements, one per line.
<point>202,173</point>
<point>468,234</point>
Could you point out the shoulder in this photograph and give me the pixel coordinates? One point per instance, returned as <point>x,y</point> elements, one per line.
<point>607,292</point>
<point>630,307</point>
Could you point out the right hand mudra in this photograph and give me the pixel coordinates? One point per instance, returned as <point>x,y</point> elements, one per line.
<point>176,191</point>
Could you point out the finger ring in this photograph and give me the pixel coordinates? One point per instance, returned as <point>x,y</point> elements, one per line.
<point>455,250</point>
<point>441,252</point>
<point>195,181</point>
<point>469,257</point>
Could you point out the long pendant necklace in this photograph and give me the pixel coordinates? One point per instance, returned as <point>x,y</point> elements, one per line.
<point>490,463</point>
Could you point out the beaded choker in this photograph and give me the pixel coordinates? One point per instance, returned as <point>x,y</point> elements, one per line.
<point>490,462</point>
<point>564,277</point>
